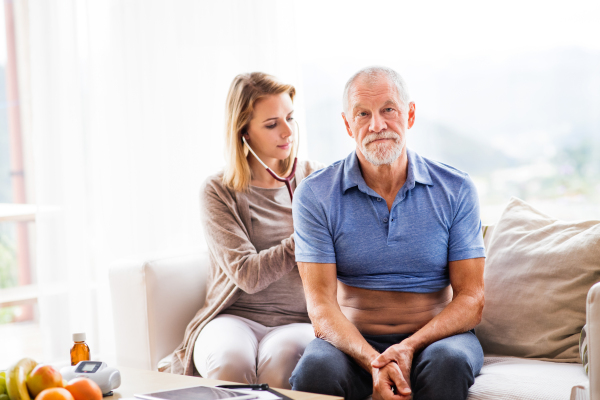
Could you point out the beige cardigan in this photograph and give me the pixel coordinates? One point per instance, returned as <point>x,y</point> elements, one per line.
<point>234,263</point>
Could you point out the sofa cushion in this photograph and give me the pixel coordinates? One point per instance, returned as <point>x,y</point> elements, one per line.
<point>537,275</point>
<point>507,378</point>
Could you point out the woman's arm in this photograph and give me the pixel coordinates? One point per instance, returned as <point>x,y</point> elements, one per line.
<point>228,240</point>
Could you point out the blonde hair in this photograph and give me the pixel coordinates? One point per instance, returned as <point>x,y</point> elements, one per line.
<point>244,92</point>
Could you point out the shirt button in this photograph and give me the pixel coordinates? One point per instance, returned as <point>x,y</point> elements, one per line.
<point>378,199</point>
<point>385,220</point>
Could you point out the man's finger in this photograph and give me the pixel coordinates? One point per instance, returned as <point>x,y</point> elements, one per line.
<point>381,361</point>
<point>384,387</point>
<point>402,387</point>
<point>404,391</point>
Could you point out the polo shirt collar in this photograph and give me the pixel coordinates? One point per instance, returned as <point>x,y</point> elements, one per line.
<point>417,172</point>
<point>352,175</point>
<point>418,168</point>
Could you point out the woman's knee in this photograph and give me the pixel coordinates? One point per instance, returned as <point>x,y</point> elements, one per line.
<point>230,365</point>
<point>285,343</point>
<point>279,352</point>
<point>226,349</point>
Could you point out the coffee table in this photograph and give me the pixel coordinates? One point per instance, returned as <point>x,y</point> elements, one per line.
<point>134,381</point>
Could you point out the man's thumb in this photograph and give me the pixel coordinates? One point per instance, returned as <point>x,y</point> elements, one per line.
<point>380,362</point>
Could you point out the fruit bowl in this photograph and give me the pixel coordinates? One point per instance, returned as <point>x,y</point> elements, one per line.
<point>28,380</point>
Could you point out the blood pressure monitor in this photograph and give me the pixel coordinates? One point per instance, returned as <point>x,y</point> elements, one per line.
<point>88,367</point>
<point>108,378</point>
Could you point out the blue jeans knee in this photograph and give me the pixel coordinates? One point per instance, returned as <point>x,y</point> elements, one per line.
<point>447,368</point>
<point>324,369</point>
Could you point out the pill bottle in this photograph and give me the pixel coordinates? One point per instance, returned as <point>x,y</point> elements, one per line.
<point>80,350</point>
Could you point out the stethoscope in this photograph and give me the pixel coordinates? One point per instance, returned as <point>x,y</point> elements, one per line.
<point>288,180</point>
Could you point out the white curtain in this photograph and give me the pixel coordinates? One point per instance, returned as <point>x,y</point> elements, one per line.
<point>127,102</point>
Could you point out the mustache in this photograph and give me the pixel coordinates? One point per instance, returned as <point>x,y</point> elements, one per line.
<point>381,135</point>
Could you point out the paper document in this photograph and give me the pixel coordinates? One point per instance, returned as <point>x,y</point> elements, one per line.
<point>260,394</point>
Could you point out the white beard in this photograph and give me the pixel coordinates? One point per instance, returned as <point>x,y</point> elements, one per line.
<point>382,153</point>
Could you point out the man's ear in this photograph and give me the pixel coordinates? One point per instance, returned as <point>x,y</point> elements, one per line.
<point>411,114</point>
<point>347,126</point>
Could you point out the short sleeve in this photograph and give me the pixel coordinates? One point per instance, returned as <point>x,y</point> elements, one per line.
<point>465,236</point>
<point>314,242</point>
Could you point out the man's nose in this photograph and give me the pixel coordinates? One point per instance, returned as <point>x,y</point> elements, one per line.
<point>377,123</point>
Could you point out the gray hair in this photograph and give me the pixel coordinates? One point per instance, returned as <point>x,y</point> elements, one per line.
<point>372,73</point>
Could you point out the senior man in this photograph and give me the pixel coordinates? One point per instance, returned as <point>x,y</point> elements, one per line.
<point>390,251</point>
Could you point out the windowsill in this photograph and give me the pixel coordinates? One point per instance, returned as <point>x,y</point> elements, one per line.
<point>18,296</point>
<point>17,212</point>
<point>29,294</point>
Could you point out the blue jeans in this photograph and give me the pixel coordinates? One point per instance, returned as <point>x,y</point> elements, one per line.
<point>443,370</point>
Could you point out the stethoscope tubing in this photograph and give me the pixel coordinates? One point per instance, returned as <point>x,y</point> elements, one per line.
<point>287,180</point>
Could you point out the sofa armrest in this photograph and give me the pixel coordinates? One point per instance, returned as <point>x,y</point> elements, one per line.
<point>153,301</point>
<point>593,326</point>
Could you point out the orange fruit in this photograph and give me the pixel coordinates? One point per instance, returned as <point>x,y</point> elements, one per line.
<point>84,389</point>
<point>54,394</point>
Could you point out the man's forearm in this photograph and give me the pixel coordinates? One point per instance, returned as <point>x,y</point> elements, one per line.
<point>462,314</point>
<point>331,324</point>
<point>465,309</point>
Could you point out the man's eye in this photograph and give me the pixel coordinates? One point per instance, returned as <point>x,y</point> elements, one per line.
<point>361,114</point>
<point>389,109</point>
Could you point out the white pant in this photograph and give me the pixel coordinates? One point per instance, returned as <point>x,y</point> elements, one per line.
<point>233,348</point>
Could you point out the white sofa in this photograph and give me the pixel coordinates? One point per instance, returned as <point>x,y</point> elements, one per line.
<point>153,301</point>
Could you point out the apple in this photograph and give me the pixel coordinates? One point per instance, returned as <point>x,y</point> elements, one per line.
<point>43,376</point>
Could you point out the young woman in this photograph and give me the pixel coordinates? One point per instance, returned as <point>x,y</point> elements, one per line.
<point>254,325</point>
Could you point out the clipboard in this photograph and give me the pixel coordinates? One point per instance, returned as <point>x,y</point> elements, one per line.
<point>258,388</point>
<point>196,392</point>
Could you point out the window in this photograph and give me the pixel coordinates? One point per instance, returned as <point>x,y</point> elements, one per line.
<point>511,98</point>
<point>19,330</point>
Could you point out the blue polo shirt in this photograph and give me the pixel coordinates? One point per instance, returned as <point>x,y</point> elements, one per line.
<point>434,219</point>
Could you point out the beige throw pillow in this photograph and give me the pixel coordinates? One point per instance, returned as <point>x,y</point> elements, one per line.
<point>537,274</point>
